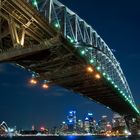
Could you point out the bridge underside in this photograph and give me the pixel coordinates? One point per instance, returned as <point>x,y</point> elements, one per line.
<point>28,40</point>
<point>71,74</point>
<point>61,67</point>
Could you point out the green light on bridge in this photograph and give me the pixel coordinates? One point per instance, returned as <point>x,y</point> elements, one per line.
<point>98,68</point>
<point>57,25</point>
<point>112,82</point>
<point>104,74</point>
<point>35,3</point>
<point>135,108</point>
<point>82,52</point>
<point>108,78</point>
<point>121,91</point>
<point>70,39</point>
<point>91,61</point>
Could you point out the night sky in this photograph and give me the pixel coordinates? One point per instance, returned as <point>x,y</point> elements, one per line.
<point>118,23</point>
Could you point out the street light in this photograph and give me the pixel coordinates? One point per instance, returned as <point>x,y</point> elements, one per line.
<point>33,81</point>
<point>45,86</point>
<point>97,76</point>
<point>89,69</point>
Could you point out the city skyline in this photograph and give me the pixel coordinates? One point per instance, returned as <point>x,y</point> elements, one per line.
<point>24,104</point>
<point>73,126</point>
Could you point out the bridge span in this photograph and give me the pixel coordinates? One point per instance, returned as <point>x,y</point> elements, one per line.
<point>59,47</point>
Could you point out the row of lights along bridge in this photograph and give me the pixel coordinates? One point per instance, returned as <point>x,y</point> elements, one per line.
<point>45,84</point>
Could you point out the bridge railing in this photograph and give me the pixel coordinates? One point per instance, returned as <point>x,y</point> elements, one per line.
<point>87,42</point>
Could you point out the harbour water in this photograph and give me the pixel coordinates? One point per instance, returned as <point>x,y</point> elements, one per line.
<point>70,138</point>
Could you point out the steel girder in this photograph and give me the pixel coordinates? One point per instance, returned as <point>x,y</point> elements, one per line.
<point>85,38</point>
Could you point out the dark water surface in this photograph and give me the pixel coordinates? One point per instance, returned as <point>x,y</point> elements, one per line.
<point>71,138</point>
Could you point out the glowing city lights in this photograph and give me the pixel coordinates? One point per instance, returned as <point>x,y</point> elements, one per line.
<point>90,114</point>
<point>42,128</point>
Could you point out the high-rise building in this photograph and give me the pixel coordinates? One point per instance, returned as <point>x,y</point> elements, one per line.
<point>80,124</point>
<point>89,123</point>
<point>71,120</point>
<point>118,120</point>
<point>64,127</point>
<point>103,123</point>
<point>33,127</point>
<point>86,125</point>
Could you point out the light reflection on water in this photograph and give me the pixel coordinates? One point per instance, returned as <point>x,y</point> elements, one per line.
<point>71,138</point>
<point>100,138</point>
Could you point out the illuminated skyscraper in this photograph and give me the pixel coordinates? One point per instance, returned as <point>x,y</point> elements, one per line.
<point>90,123</point>
<point>118,120</point>
<point>71,120</point>
<point>86,125</point>
<point>80,124</point>
<point>103,124</point>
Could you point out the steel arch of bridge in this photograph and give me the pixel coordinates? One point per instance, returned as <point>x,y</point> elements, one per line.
<point>87,42</point>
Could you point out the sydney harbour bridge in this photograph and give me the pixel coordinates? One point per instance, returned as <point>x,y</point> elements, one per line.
<point>58,47</point>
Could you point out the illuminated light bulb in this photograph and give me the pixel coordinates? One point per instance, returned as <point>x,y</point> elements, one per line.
<point>108,78</point>
<point>112,82</point>
<point>45,86</point>
<point>82,52</point>
<point>98,68</point>
<point>71,40</point>
<point>33,81</point>
<point>104,73</point>
<point>56,25</point>
<point>42,128</point>
<point>121,91</point>
<point>35,3</point>
<point>89,69</point>
<point>91,61</point>
<point>97,76</point>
